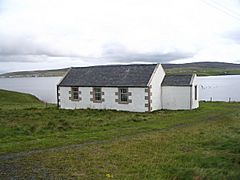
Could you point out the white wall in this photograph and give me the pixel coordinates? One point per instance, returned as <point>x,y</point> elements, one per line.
<point>137,97</point>
<point>180,97</point>
<point>195,103</point>
<point>155,84</point>
<point>176,97</point>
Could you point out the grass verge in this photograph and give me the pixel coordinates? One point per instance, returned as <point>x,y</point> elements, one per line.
<point>198,144</point>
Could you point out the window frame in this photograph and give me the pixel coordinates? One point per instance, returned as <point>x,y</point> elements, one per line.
<point>97,94</point>
<point>126,94</point>
<point>195,92</point>
<point>75,94</point>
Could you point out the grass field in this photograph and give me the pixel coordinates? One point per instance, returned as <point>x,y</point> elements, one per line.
<point>38,142</point>
<point>203,71</point>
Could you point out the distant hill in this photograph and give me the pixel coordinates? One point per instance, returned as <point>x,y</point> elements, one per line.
<point>203,68</point>
<point>220,65</point>
<point>200,68</point>
<point>39,73</point>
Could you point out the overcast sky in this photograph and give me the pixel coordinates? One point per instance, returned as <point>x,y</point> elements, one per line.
<point>50,34</point>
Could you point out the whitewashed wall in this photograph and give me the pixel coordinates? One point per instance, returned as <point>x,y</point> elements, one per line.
<point>176,97</point>
<point>137,97</point>
<point>195,103</point>
<point>155,84</point>
<point>180,97</point>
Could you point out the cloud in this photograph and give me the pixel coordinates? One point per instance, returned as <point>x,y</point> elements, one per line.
<point>20,58</point>
<point>52,34</point>
<point>42,62</point>
<point>233,35</point>
<point>217,52</point>
<point>119,53</point>
<point>29,47</point>
<point>11,46</point>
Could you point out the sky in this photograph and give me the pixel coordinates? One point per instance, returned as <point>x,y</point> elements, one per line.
<point>51,34</point>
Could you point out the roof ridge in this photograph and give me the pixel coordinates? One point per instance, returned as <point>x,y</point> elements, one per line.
<point>179,74</point>
<point>114,65</point>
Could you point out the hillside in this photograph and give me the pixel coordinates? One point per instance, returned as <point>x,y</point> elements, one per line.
<point>10,99</point>
<point>40,73</point>
<point>201,68</point>
<point>49,143</point>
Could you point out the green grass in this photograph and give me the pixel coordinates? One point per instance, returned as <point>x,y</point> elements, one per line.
<point>197,144</point>
<point>203,71</point>
<point>15,100</point>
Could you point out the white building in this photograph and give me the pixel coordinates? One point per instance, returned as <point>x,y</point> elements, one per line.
<point>138,88</point>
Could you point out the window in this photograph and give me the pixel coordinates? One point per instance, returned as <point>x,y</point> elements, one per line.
<point>75,93</point>
<point>97,94</point>
<point>123,95</point>
<point>195,90</point>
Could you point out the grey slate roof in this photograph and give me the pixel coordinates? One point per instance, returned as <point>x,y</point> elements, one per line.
<point>177,80</point>
<point>136,75</point>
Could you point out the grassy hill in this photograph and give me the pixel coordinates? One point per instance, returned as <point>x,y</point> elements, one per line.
<point>10,100</point>
<point>40,73</point>
<point>47,143</point>
<point>201,68</point>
